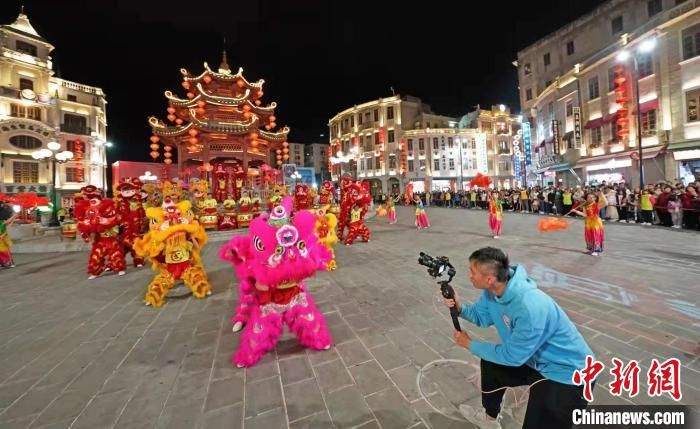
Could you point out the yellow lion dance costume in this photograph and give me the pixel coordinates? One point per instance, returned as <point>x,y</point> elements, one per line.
<point>173,244</point>
<point>326,223</point>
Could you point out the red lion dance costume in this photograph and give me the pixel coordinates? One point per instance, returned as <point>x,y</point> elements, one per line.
<point>99,219</point>
<point>302,199</point>
<point>327,193</point>
<point>360,199</point>
<point>272,263</point>
<point>345,206</point>
<point>131,215</point>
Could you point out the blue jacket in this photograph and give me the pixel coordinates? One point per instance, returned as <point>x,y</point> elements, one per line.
<point>534,330</point>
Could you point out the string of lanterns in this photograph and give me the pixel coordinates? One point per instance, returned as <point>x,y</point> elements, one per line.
<point>622,121</point>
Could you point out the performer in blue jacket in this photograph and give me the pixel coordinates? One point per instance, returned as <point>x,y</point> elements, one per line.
<point>539,344</point>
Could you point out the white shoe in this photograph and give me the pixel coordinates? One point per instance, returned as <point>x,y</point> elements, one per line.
<point>121,273</point>
<point>237,326</point>
<point>595,254</point>
<point>495,237</point>
<point>92,277</point>
<point>478,417</point>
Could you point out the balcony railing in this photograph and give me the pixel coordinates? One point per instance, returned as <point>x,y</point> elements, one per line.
<point>76,129</point>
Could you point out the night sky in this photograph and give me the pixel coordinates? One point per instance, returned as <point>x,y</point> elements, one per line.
<point>317,57</point>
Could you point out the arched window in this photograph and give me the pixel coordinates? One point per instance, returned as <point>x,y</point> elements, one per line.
<point>25,142</point>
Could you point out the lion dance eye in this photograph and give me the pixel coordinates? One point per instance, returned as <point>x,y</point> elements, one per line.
<point>279,250</point>
<point>259,246</point>
<point>301,245</point>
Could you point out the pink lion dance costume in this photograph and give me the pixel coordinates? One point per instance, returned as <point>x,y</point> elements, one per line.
<point>272,263</point>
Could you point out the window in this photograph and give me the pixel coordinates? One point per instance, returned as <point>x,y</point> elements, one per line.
<point>392,163</point>
<point>527,69</point>
<point>691,103</point>
<point>450,142</point>
<point>503,147</point>
<point>390,136</point>
<point>649,123</point>
<point>691,41</point>
<point>645,65</point>
<point>25,142</point>
<point>410,145</point>
<point>436,165</point>
<point>367,117</point>
<point>366,143</point>
<point>452,164</point>
<point>19,111</point>
<point>435,143</point>
<point>421,145</point>
<point>596,137</point>
<point>611,79</point>
<point>654,7</point>
<point>71,97</point>
<point>570,47</point>
<point>26,84</point>
<point>359,119</point>
<point>25,172</point>
<point>72,174</point>
<point>504,166</point>
<point>547,59</point>
<point>593,91</point>
<point>377,164</point>
<point>616,25</point>
<point>369,164</point>
<point>390,112</point>
<point>26,48</point>
<point>352,120</point>
<point>410,165</point>
<point>77,124</point>
<point>528,94</point>
<point>376,115</point>
<point>569,108</point>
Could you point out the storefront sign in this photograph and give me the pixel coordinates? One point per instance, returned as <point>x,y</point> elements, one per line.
<point>482,163</point>
<point>555,136</point>
<point>613,163</point>
<point>577,128</point>
<point>517,141</point>
<point>527,142</point>
<point>547,160</point>
<point>683,155</point>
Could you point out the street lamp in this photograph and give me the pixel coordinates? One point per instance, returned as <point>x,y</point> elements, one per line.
<point>296,176</point>
<point>460,187</point>
<point>54,156</point>
<point>644,47</point>
<point>107,145</point>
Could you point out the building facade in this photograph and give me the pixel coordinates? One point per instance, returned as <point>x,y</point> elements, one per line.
<point>580,95</point>
<point>37,108</point>
<point>316,157</point>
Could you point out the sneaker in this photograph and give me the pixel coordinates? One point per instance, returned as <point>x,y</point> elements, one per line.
<point>478,417</point>
<point>92,277</point>
<point>595,254</point>
<point>121,273</point>
<point>495,237</point>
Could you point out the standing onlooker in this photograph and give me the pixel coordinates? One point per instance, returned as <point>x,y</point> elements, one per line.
<point>567,201</point>
<point>622,204</point>
<point>558,201</point>
<point>646,206</point>
<point>662,206</point>
<point>613,203</point>
<point>690,215</point>
<point>448,199</point>
<point>674,210</point>
<point>524,200</point>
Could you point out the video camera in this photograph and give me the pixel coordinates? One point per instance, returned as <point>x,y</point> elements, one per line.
<point>436,268</point>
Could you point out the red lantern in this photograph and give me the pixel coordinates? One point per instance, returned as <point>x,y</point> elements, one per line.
<point>168,161</point>
<point>206,79</point>
<point>254,135</point>
<point>279,163</point>
<point>267,127</point>
<point>192,132</point>
<point>168,148</point>
<point>155,139</point>
<point>154,154</point>
<point>201,103</point>
<point>201,111</point>
<point>246,107</point>
<point>285,157</point>
<point>240,83</point>
<point>190,95</point>
<point>260,94</point>
<point>254,149</point>
<point>186,85</point>
<point>171,117</point>
<point>278,151</point>
<point>285,144</point>
<point>273,125</point>
<point>193,140</point>
<point>247,115</point>
<point>285,150</point>
<point>257,102</point>
<point>271,118</point>
<point>170,110</point>
<point>254,143</point>
<point>154,146</point>
<point>618,69</point>
<point>168,155</point>
<point>178,121</point>
<point>622,100</point>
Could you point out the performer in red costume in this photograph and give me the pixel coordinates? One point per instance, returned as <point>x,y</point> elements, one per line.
<point>131,214</point>
<point>360,199</point>
<point>99,219</point>
<point>220,183</point>
<point>327,193</point>
<point>237,181</point>
<point>345,206</point>
<point>302,199</point>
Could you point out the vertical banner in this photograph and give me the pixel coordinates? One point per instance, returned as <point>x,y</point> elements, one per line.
<point>527,143</point>
<point>577,127</point>
<point>482,163</point>
<point>555,136</point>
<point>516,167</point>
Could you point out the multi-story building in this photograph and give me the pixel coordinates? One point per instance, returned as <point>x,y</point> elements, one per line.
<point>371,134</point>
<point>316,157</point>
<point>37,108</point>
<point>296,154</point>
<point>578,88</point>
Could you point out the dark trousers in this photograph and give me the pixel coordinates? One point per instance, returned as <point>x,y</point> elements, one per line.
<point>623,213</point>
<point>646,216</point>
<point>549,405</point>
<point>690,219</point>
<point>566,208</point>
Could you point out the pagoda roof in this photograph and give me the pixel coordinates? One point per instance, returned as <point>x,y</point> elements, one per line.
<point>233,127</point>
<point>221,76</point>
<point>219,101</point>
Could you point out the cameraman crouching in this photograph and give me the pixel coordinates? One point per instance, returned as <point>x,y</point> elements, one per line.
<point>538,341</point>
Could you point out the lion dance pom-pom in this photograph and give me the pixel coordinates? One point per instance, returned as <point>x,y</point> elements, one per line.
<point>271,263</point>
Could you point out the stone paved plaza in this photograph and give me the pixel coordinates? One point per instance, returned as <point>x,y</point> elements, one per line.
<point>88,354</point>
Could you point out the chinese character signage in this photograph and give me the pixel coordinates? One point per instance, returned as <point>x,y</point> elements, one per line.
<point>516,166</point>
<point>482,162</point>
<point>527,143</point>
<point>555,136</point>
<point>577,128</point>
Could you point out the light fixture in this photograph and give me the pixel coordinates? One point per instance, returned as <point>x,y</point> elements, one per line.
<point>36,154</point>
<point>623,56</point>
<point>67,154</point>
<point>339,154</point>
<point>109,144</point>
<point>647,45</point>
<point>502,107</point>
<point>45,153</point>
<point>54,146</point>
<point>98,143</point>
